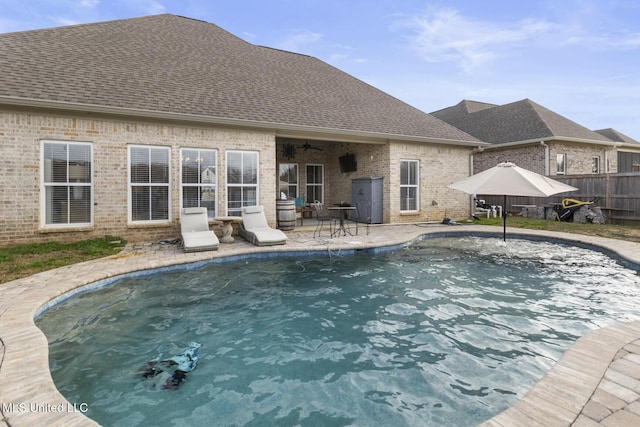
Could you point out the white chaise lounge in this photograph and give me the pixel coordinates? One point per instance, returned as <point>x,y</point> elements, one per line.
<point>254,228</point>
<point>194,227</point>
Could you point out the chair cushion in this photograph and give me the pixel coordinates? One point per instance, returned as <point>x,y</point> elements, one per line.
<point>253,209</point>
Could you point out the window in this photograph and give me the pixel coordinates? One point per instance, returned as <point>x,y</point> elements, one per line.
<point>562,164</point>
<point>595,164</point>
<point>409,170</point>
<point>315,183</point>
<point>288,180</point>
<point>242,181</point>
<point>149,184</point>
<point>199,179</point>
<point>67,183</point>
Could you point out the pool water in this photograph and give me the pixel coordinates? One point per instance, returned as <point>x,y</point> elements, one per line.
<point>446,331</point>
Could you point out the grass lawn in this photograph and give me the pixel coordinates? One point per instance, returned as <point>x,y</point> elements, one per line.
<point>621,232</point>
<point>24,260</point>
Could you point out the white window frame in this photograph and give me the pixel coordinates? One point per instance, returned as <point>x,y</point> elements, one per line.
<point>237,211</point>
<point>595,164</point>
<point>203,186</point>
<point>561,164</point>
<point>314,184</point>
<point>289,185</point>
<point>404,206</point>
<point>71,185</point>
<point>149,184</point>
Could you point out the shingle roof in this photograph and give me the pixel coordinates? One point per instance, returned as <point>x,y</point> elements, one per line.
<point>614,135</point>
<point>518,121</point>
<point>169,63</point>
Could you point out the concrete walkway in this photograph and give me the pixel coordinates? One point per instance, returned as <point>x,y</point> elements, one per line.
<point>595,383</point>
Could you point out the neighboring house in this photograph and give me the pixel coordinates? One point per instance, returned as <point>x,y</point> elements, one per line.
<point>537,139</point>
<point>628,151</point>
<point>113,127</point>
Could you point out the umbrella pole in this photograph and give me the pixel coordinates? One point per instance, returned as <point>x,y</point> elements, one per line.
<point>504,219</point>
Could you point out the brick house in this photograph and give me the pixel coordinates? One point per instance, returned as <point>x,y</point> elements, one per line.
<point>539,139</point>
<point>112,127</point>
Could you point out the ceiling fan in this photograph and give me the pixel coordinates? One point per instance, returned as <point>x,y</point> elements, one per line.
<point>308,146</point>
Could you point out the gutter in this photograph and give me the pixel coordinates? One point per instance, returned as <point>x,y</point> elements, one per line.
<point>279,129</point>
<point>554,138</point>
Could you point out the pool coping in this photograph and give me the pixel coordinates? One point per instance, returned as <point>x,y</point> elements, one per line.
<point>29,397</point>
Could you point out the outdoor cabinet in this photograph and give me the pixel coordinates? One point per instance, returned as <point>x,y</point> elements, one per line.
<point>366,196</point>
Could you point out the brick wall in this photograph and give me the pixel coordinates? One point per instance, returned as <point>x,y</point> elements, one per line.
<point>439,166</point>
<point>579,158</point>
<point>20,136</point>
<point>532,157</point>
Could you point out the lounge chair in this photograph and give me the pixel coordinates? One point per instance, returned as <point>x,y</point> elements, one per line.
<point>194,227</point>
<point>254,228</point>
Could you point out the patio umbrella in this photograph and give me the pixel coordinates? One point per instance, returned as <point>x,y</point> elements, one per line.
<point>507,179</point>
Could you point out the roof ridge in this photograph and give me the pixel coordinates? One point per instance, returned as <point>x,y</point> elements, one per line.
<point>283,50</point>
<point>479,105</point>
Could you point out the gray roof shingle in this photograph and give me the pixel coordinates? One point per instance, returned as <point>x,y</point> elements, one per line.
<point>518,121</point>
<point>616,136</point>
<point>167,63</point>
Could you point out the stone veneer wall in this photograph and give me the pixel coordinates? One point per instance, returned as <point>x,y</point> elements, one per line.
<point>21,134</point>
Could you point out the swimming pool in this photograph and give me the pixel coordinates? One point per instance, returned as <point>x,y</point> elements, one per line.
<point>445,331</point>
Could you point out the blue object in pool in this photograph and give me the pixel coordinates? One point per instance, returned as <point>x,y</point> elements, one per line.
<point>171,372</point>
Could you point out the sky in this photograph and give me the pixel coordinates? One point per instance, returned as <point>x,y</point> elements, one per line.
<point>578,58</point>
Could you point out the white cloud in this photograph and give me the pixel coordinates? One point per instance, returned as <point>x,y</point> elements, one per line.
<point>89,4</point>
<point>296,41</point>
<point>446,35</point>
<point>605,41</point>
<point>155,8</point>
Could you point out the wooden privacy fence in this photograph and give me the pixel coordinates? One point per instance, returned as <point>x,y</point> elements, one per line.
<point>618,194</point>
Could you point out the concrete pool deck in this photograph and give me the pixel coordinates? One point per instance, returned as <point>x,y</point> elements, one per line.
<point>596,382</point>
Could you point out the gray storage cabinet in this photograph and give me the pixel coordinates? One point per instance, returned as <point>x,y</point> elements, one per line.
<point>366,196</point>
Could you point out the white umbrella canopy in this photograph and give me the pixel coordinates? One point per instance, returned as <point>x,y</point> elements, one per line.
<point>507,179</point>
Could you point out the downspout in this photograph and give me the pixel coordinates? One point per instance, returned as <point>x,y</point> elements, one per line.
<point>471,201</point>
<point>474,151</point>
<point>547,169</point>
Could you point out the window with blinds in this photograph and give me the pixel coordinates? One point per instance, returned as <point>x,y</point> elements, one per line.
<point>67,183</point>
<point>409,172</point>
<point>149,174</point>
<point>199,179</point>
<point>242,181</point>
<point>288,180</point>
<point>315,183</point>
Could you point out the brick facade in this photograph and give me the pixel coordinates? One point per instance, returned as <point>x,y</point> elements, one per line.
<point>439,167</point>
<point>21,134</point>
<point>532,157</point>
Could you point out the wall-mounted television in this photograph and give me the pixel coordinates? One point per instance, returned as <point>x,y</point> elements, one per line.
<point>348,163</point>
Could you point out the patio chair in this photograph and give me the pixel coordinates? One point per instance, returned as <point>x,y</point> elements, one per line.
<point>194,228</point>
<point>322,219</point>
<point>254,228</point>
